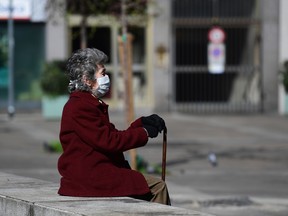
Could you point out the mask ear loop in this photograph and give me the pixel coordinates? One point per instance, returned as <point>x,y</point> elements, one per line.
<point>73,84</point>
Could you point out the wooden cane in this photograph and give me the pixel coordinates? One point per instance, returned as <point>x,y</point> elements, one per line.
<point>164,151</point>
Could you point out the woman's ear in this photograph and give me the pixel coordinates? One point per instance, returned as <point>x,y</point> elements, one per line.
<point>86,81</point>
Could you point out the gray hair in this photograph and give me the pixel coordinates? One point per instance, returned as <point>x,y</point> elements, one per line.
<point>83,62</point>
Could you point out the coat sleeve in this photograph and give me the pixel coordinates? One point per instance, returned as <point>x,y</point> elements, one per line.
<point>136,123</point>
<point>94,129</point>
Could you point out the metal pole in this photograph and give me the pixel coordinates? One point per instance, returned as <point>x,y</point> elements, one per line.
<point>11,108</point>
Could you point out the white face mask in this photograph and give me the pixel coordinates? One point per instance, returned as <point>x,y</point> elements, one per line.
<point>104,86</point>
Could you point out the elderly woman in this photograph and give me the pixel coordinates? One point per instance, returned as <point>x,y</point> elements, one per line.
<point>92,163</point>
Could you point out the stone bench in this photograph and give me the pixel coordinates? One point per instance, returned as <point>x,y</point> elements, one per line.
<point>22,196</point>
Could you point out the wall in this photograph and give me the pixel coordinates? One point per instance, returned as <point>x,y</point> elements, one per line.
<point>161,67</point>
<point>270,51</point>
<point>56,37</point>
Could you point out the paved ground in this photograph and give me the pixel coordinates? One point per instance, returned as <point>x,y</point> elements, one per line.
<point>251,177</point>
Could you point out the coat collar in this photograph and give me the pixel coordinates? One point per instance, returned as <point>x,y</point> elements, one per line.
<point>89,97</point>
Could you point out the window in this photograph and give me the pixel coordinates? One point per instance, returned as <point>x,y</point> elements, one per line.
<point>97,37</point>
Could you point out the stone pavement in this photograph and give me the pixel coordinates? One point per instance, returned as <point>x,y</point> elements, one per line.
<point>250,178</point>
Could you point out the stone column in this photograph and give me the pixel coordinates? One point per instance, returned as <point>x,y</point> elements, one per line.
<point>161,54</point>
<point>270,52</point>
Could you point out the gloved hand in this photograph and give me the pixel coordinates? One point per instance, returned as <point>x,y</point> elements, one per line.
<point>155,121</point>
<point>152,131</point>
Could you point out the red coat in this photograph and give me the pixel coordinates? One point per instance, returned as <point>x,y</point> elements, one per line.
<point>92,162</point>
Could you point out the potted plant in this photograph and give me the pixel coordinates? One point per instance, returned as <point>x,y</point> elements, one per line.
<point>54,84</point>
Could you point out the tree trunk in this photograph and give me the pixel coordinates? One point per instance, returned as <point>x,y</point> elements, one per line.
<point>83,32</point>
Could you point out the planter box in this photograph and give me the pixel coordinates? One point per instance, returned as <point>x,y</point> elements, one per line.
<point>3,77</point>
<point>52,106</point>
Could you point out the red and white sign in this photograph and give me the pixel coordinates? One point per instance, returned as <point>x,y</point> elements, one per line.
<point>216,35</point>
<point>21,9</point>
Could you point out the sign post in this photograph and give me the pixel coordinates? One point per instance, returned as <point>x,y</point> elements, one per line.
<point>11,107</point>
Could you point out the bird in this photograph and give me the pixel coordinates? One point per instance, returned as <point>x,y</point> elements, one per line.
<point>212,158</point>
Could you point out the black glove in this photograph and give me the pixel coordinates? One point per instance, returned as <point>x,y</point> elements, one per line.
<point>155,121</point>
<point>152,131</point>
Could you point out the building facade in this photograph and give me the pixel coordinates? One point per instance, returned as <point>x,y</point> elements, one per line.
<point>29,50</point>
<point>174,54</point>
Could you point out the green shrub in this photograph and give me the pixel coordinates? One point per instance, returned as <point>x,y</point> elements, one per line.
<point>54,81</point>
<point>284,74</point>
